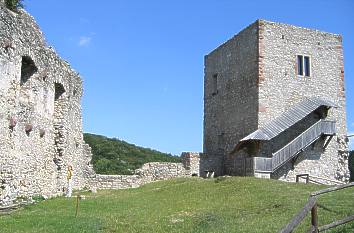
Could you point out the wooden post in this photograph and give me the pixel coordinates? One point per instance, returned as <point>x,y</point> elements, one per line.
<point>297,178</point>
<point>314,218</point>
<point>307,178</point>
<point>77,205</point>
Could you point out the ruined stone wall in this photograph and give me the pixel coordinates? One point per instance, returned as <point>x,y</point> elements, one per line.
<point>230,109</point>
<point>191,162</point>
<point>40,117</point>
<point>280,87</point>
<point>149,172</point>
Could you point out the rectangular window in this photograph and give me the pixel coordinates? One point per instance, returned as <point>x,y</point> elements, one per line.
<point>307,66</point>
<point>215,84</point>
<point>300,66</point>
<point>303,65</point>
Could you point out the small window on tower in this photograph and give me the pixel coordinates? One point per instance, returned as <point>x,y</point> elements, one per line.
<point>303,66</point>
<point>307,66</point>
<point>300,68</point>
<point>215,84</point>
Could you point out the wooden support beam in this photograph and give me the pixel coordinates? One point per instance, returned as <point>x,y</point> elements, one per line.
<point>331,189</point>
<point>314,218</point>
<point>327,142</point>
<point>336,223</point>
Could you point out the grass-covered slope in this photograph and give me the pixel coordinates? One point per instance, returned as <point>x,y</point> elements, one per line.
<point>114,156</point>
<point>184,205</point>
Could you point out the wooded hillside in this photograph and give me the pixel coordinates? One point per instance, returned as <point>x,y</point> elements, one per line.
<point>114,156</point>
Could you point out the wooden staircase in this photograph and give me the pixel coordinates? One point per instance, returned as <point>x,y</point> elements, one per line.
<point>296,146</point>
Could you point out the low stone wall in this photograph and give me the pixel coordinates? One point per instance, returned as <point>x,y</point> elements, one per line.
<point>116,181</point>
<point>150,172</point>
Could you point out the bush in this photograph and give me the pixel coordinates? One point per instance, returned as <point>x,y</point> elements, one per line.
<point>14,5</point>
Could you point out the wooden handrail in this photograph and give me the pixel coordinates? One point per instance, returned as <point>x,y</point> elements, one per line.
<point>336,223</point>
<point>332,189</point>
<point>297,219</point>
<point>312,205</point>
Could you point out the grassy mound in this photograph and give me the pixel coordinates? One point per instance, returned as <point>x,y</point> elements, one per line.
<point>232,204</point>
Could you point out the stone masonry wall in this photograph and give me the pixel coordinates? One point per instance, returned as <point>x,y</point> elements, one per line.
<point>257,81</point>
<point>191,162</point>
<point>230,108</point>
<point>280,88</point>
<point>40,117</point>
<point>150,172</point>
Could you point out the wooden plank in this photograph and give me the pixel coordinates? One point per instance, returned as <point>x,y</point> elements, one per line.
<point>336,223</point>
<point>299,217</point>
<point>331,189</point>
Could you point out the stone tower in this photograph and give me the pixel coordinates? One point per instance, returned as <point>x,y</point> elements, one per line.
<point>40,114</point>
<point>274,104</point>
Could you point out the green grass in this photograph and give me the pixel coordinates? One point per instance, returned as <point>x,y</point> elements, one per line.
<point>234,204</point>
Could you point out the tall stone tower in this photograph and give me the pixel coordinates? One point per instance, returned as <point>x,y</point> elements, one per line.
<point>274,104</point>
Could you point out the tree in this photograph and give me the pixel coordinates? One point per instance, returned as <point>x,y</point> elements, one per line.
<point>14,5</point>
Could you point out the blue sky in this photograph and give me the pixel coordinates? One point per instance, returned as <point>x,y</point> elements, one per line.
<point>142,61</point>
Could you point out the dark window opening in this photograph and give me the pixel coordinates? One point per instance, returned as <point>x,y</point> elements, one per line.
<point>215,84</point>
<point>307,65</point>
<point>28,68</point>
<point>300,68</point>
<point>303,66</point>
<point>59,90</point>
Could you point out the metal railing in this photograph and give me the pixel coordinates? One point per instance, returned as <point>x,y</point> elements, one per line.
<point>321,127</point>
<point>302,141</point>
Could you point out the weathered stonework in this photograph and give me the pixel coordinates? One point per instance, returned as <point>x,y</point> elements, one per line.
<point>150,172</point>
<point>40,118</point>
<point>190,161</point>
<point>256,82</point>
<point>230,111</point>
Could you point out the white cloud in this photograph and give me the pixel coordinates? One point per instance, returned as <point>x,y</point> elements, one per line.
<point>84,41</point>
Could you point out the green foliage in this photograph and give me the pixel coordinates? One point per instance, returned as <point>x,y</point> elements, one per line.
<point>14,5</point>
<point>237,204</point>
<point>351,165</point>
<point>114,156</point>
<point>38,198</point>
